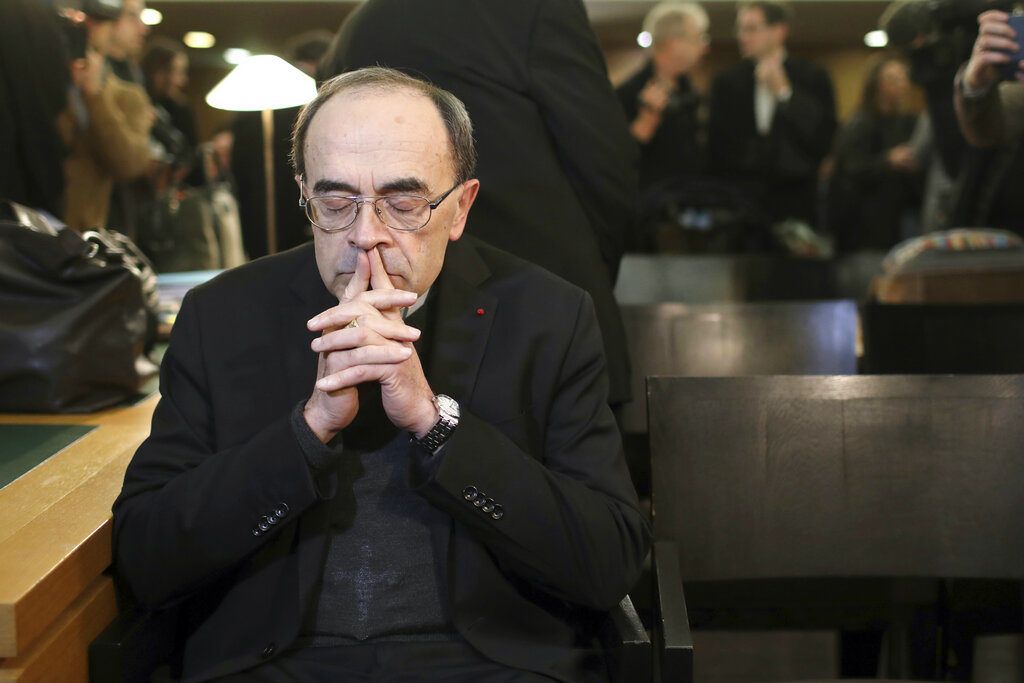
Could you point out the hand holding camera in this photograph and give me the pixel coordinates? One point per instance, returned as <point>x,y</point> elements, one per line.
<point>998,50</point>
<point>87,72</point>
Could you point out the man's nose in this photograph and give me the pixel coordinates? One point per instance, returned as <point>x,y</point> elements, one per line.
<point>368,231</point>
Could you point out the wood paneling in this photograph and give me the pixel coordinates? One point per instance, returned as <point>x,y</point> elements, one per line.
<point>56,537</point>
<point>63,654</point>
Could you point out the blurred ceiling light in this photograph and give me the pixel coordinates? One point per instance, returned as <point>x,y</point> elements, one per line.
<point>152,17</point>
<point>199,39</point>
<point>876,38</point>
<point>236,55</point>
<point>644,39</point>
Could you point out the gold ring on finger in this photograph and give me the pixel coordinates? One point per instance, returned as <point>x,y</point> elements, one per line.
<point>354,323</point>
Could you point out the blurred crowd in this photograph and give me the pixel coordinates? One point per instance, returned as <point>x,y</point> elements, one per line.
<point>764,153</point>
<point>97,129</point>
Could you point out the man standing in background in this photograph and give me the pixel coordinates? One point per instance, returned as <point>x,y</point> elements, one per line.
<point>556,163</point>
<point>107,123</point>
<point>772,116</point>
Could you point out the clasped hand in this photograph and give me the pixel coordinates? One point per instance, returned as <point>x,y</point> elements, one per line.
<point>378,347</point>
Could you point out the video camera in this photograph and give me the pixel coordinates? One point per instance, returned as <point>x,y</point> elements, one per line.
<point>935,35</point>
<point>905,21</point>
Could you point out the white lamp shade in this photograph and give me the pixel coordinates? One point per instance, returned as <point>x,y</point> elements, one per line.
<point>262,82</point>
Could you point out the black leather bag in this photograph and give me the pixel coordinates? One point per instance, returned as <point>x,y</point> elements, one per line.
<point>75,315</point>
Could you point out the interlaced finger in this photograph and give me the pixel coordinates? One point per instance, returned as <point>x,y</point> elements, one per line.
<point>368,305</point>
<point>368,332</point>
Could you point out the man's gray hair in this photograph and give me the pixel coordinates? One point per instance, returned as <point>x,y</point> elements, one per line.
<point>668,20</point>
<point>379,79</point>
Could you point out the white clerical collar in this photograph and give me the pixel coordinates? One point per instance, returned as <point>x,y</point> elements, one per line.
<point>422,299</point>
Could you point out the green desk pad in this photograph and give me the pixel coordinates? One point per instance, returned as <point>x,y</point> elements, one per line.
<point>22,447</point>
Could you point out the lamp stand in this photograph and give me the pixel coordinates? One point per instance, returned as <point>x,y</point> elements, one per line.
<point>268,172</point>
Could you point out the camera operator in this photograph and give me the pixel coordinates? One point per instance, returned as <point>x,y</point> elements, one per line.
<point>106,125</point>
<point>937,37</point>
<point>991,116</point>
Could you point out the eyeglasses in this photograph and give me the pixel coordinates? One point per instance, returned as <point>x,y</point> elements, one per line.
<point>404,212</point>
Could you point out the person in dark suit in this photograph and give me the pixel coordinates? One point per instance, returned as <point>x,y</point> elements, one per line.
<point>772,116</point>
<point>387,453</point>
<point>557,165</point>
<point>659,100</point>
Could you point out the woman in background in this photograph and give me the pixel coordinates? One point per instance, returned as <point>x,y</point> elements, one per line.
<point>875,193</point>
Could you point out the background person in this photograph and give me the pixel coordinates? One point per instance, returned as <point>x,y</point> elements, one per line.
<point>772,116</point>
<point>875,190</point>
<point>562,195</point>
<point>106,125</point>
<point>660,101</point>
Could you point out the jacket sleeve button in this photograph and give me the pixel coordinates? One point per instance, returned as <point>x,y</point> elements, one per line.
<point>282,509</point>
<point>488,505</point>
<point>498,513</point>
<point>470,493</point>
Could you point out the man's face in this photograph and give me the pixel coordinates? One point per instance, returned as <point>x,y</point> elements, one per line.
<point>373,143</point>
<point>678,55</point>
<point>100,35</point>
<point>757,38</point>
<point>129,32</point>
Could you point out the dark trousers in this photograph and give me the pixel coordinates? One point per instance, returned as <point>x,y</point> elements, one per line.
<point>389,662</point>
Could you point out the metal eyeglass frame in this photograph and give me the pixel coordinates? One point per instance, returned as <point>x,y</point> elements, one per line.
<point>359,200</point>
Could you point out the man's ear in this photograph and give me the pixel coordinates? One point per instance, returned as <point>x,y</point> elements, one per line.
<point>467,195</point>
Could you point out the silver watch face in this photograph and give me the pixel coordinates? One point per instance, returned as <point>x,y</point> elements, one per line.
<point>448,407</point>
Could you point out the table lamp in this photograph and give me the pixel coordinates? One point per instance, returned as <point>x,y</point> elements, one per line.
<point>264,83</point>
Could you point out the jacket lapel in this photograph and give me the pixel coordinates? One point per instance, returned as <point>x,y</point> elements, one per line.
<point>308,297</point>
<point>466,312</point>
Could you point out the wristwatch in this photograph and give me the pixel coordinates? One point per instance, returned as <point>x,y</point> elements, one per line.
<point>448,409</point>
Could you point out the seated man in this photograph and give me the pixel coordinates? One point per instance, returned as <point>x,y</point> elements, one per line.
<point>403,468</point>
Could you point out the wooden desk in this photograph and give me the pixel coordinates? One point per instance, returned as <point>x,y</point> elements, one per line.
<point>55,543</point>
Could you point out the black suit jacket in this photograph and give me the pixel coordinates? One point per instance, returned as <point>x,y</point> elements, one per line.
<point>785,161</point>
<point>556,163</point>
<point>536,436</point>
<point>673,151</point>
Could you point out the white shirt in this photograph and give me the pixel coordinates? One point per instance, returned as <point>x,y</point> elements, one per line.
<point>765,103</point>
